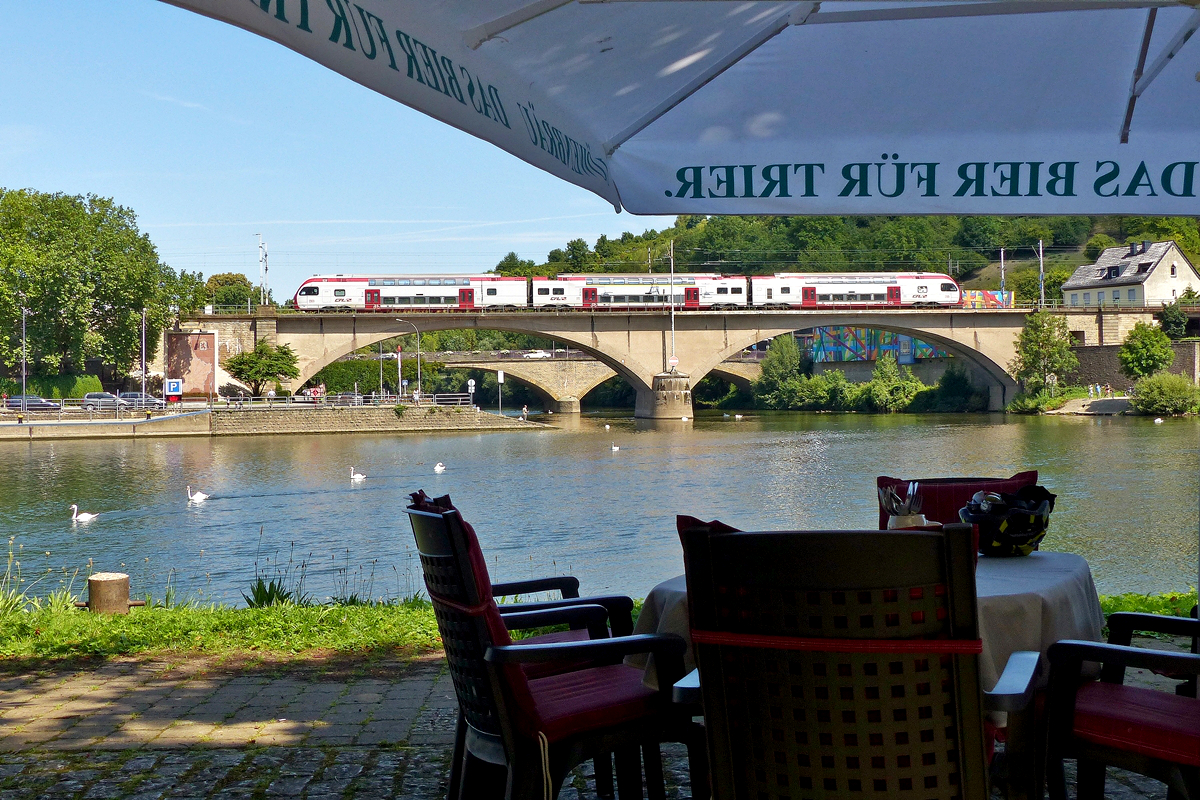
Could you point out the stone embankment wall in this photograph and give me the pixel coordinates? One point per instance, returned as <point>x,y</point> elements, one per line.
<point>359,420</point>
<point>1101,365</point>
<point>252,422</point>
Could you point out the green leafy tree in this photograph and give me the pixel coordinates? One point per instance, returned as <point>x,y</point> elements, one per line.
<point>1043,350</point>
<point>781,369</point>
<point>512,264</point>
<point>1097,245</point>
<point>891,388</point>
<point>232,289</point>
<point>1146,350</point>
<point>266,363</point>
<point>578,255</point>
<point>1173,319</point>
<point>85,273</point>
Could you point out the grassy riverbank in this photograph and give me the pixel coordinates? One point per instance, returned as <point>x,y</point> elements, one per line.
<point>58,631</point>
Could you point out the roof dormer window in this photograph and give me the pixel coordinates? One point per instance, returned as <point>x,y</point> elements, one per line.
<point>1145,267</point>
<point>1114,272</point>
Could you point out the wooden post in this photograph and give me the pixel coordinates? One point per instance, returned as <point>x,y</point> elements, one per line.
<point>108,593</point>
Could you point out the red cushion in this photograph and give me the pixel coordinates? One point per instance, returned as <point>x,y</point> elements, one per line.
<point>941,498</point>
<point>554,667</point>
<point>1144,721</point>
<point>591,699</point>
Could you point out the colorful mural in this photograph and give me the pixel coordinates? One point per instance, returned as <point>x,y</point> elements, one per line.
<point>843,343</point>
<point>983,298</point>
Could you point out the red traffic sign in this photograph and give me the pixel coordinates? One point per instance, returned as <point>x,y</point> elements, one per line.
<point>673,361</point>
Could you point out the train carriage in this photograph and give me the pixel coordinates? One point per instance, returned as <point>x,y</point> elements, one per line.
<point>600,291</point>
<point>391,293</point>
<point>794,290</point>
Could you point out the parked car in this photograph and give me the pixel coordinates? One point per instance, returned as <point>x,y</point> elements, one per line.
<point>32,403</point>
<point>102,401</point>
<point>538,354</point>
<point>139,400</point>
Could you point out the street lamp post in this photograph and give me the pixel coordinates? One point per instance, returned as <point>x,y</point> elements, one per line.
<point>418,333</point>
<point>24,362</point>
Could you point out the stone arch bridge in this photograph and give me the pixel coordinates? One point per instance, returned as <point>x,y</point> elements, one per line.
<point>638,345</point>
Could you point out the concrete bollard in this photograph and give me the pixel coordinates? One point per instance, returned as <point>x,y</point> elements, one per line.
<point>108,593</point>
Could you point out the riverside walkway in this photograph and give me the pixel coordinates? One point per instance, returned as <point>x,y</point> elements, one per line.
<point>192,728</point>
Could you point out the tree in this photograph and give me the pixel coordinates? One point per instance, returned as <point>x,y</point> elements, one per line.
<point>578,255</point>
<point>1147,350</point>
<point>265,364</point>
<point>512,264</point>
<point>1043,349</point>
<point>86,273</point>
<point>1097,245</point>
<point>1173,319</point>
<point>781,369</point>
<point>232,289</point>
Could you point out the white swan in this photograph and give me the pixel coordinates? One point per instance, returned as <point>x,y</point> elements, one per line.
<point>725,415</point>
<point>76,516</point>
<point>196,497</point>
<point>605,427</point>
<point>439,468</point>
<point>356,476</point>
<point>1158,420</point>
<point>737,416</point>
<point>615,447</point>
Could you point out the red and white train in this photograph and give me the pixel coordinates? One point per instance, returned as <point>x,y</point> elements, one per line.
<point>600,291</point>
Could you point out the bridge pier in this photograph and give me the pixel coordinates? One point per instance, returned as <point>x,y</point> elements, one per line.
<point>564,405</point>
<point>669,397</point>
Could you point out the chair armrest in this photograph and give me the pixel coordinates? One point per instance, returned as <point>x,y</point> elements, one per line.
<point>686,691</point>
<point>659,644</point>
<point>620,609</point>
<point>593,617</point>
<point>1122,624</point>
<point>566,584</point>
<point>1014,690</point>
<point>1070,654</point>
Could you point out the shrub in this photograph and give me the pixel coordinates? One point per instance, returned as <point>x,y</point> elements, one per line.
<point>954,393</point>
<point>1164,393</point>
<point>1147,350</point>
<point>1173,319</point>
<point>55,387</point>
<point>1097,244</point>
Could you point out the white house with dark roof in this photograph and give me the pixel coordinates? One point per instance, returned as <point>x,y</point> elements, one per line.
<point>1136,274</point>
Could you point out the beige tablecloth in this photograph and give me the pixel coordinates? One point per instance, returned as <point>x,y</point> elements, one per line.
<point>1024,604</point>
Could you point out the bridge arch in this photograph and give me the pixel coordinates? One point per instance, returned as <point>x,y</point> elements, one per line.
<point>637,345</point>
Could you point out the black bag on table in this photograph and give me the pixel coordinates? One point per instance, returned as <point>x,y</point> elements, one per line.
<point>1010,524</point>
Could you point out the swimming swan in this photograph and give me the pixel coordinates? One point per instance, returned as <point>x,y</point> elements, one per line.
<point>356,476</point>
<point>76,516</point>
<point>615,447</point>
<point>196,497</point>
<point>439,468</point>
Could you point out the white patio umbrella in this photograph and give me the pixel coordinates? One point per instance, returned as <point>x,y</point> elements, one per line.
<point>728,107</point>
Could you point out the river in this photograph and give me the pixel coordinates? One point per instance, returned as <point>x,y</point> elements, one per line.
<point>562,501</point>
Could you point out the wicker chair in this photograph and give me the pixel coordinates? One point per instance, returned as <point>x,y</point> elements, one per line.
<point>538,725</point>
<point>1105,722</point>
<point>842,664</point>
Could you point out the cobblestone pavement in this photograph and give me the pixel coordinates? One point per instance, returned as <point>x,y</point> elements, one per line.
<point>195,728</point>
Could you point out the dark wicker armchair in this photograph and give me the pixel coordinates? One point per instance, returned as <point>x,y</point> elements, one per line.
<point>842,664</point>
<point>537,723</point>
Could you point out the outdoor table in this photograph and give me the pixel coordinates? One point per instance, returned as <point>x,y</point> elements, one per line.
<point>1025,603</point>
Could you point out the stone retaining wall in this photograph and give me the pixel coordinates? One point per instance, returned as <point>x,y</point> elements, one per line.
<point>358,420</point>
<point>253,422</point>
<point>1100,364</point>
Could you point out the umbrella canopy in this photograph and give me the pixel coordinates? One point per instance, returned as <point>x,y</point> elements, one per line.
<point>723,107</point>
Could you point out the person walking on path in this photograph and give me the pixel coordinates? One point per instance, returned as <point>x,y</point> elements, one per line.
<point>524,413</point>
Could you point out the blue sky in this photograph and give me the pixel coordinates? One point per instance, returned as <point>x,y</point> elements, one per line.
<point>213,135</point>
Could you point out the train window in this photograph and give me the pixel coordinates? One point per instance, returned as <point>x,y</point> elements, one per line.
<point>604,281</point>
<point>490,291</point>
<point>735,290</point>
<point>371,282</point>
<point>619,281</point>
<point>590,281</point>
<point>339,292</point>
<point>879,297</point>
<point>540,290</point>
<point>558,290</point>
<point>839,297</point>
<point>419,282</point>
<point>404,282</point>
<point>649,298</point>
<point>389,283</point>
<point>389,301</point>
<point>405,301</point>
<point>620,298</point>
<point>722,290</point>
<point>949,287</point>
<point>418,301</point>
<point>824,298</point>
<point>661,281</point>
<point>785,290</point>
<point>768,294</point>
<point>606,298</point>
<point>310,291</point>
<point>435,282</point>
